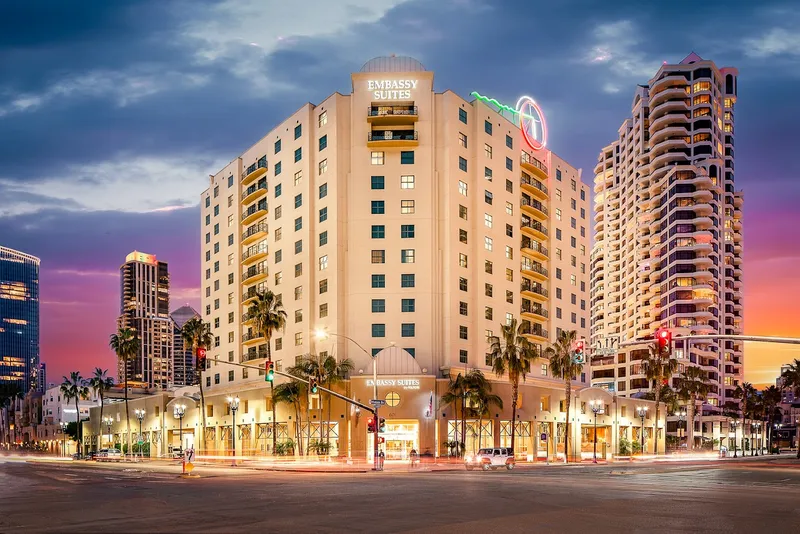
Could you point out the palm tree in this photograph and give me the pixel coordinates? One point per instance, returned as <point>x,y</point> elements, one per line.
<point>74,388</point>
<point>658,366</point>
<point>481,399</point>
<point>693,386</point>
<point>772,398</point>
<point>292,392</point>
<point>563,364</point>
<point>197,334</point>
<point>126,346</point>
<point>267,316</point>
<point>745,392</point>
<point>512,353</point>
<point>100,384</point>
<point>333,372</point>
<point>456,395</point>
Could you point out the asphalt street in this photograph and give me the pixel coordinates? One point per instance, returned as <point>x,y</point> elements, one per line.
<point>751,497</point>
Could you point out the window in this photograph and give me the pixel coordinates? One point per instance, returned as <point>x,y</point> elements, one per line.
<point>407,280</point>
<point>488,313</point>
<point>298,316</point>
<point>278,234</point>
<point>558,253</point>
<point>208,220</point>
<point>408,330</point>
<point>509,230</point>
<point>583,250</point>
<point>376,182</point>
<point>509,208</point>
<point>509,253</point>
<point>323,119</point>
<point>558,214</point>
<point>573,261</point>
<point>378,305</point>
<point>298,177</point>
<point>406,157</point>
<point>298,246</point>
<point>323,310</point>
<point>583,213</point>
<point>323,215</point>
<point>278,212</point>
<point>406,231</point>
<point>278,278</point>
<point>487,220</point>
<point>230,278</point>
<point>278,168</point>
<point>558,194</point>
<point>407,255</point>
<point>462,332</point>
<point>462,188</point>
<point>322,167</point>
<point>298,200</point>
<point>406,207</point>
<point>583,231</point>
<point>558,273</point>
<point>278,190</point>
<point>462,260</point>
<point>378,280</point>
<point>378,256</point>
<point>279,343</point>
<point>558,234</point>
<point>510,275</point>
<point>298,224</point>
<point>509,164</point>
<point>509,318</point>
<point>574,318</point>
<point>407,181</point>
<point>488,243</point>
<point>583,194</point>
<point>408,305</point>
<point>572,279</point>
<point>323,286</point>
<point>462,115</point>
<point>558,174</point>
<point>509,186</point>
<point>462,140</point>
<point>216,248</point>
<point>487,173</point>
<point>462,213</point>
<point>216,191</point>
<point>487,127</point>
<point>573,184</point>
<point>462,284</point>
<point>488,290</point>
<point>323,262</point>
<point>558,313</point>
<point>323,190</point>
<point>573,223</point>
<point>298,339</point>
<point>323,238</point>
<point>573,242</point>
<point>230,220</point>
<point>509,141</point>
<point>558,293</point>
<point>488,197</point>
<point>323,142</point>
<point>377,158</point>
<point>298,154</point>
<point>298,292</point>
<point>216,210</point>
<point>216,229</point>
<point>378,207</point>
<point>510,297</point>
<point>378,231</point>
<point>488,266</point>
<point>462,356</point>
<point>378,330</point>
<point>487,150</point>
<point>208,202</point>
<point>462,164</point>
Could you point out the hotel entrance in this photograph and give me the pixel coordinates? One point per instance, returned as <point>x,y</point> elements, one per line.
<point>401,437</point>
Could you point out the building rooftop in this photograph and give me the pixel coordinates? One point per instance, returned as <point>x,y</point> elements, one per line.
<point>393,64</point>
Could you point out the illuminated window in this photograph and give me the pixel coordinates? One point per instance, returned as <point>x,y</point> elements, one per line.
<point>407,182</point>
<point>406,206</point>
<point>377,158</point>
<point>488,244</point>
<point>462,140</point>
<point>487,151</point>
<point>487,220</point>
<point>462,188</point>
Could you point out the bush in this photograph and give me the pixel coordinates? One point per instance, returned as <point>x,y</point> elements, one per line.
<point>284,448</point>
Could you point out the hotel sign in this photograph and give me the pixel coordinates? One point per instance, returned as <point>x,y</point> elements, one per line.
<point>391,89</point>
<point>405,383</point>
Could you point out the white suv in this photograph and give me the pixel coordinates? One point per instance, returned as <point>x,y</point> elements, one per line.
<point>491,459</point>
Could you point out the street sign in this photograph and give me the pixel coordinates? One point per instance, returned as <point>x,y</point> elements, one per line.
<point>377,402</point>
<point>188,467</point>
<point>189,456</point>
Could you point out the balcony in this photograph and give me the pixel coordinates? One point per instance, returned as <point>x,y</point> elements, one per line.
<point>251,338</point>
<point>255,171</point>
<point>392,138</point>
<point>534,186</point>
<point>535,228</point>
<point>254,232</point>
<point>249,296</point>
<point>536,331</point>
<point>534,290</point>
<point>534,270</point>
<point>253,213</point>
<point>255,274</point>
<point>253,254</point>
<point>537,312</point>
<point>534,248</point>
<point>535,208</point>
<point>532,164</point>
<point>392,114</point>
<point>254,353</point>
<point>254,192</point>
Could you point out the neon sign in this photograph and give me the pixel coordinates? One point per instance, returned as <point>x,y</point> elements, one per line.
<point>531,119</point>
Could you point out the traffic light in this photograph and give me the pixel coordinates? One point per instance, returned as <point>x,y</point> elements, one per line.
<point>370,425</point>
<point>382,426</point>
<point>270,376</point>
<point>312,384</point>
<point>580,347</point>
<point>664,337</point>
<point>381,440</point>
<point>201,358</point>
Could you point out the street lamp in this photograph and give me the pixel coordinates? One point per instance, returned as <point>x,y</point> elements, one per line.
<point>597,407</point>
<point>108,422</point>
<point>734,424</point>
<point>178,411</point>
<point>140,413</point>
<point>642,411</point>
<point>754,427</point>
<point>233,402</point>
<point>63,425</point>
<point>681,421</point>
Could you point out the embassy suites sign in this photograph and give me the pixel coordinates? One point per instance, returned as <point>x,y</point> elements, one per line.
<point>391,89</point>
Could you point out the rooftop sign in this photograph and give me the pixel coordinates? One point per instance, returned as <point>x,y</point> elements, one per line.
<point>529,116</point>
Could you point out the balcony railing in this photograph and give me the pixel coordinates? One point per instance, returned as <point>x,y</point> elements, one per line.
<point>260,164</point>
<point>534,183</point>
<point>530,160</point>
<point>253,271</point>
<point>538,310</point>
<point>253,188</point>
<point>532,330</point>
<point>534,288</point>
<point>251,336</point>
<point>254,353</point>
<point>254,229</point>
<point>534,204</point>
<point>253,251</point>
<point>536,225</point>
<point>252,210</point>
<point>381,111</point>
<point>393,135</point>
<point>535,267</point>
<point>534,245</point>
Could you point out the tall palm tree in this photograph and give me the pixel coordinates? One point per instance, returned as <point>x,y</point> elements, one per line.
<point>658,366</point>
<point>333,373</point>
<point>126,346</point>
<point>100,383</point>
<point>745,392</point>
<point>693,386</point>
<point>74,388</point>
<point>293,393</point>
<point>772,398</point>
<point>481,399</point>
<point>456,395</point>
<point>197,334</point>
<point>563,364</point>
<point>512,353</point>
<point>267,316</point>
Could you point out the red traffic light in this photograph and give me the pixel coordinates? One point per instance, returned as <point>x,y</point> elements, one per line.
<point>381,440</point>
<point>579,346</point>
<point>371,427</point>
<point>664,337</point>
<point>201,358</point>
<point>201,352</point>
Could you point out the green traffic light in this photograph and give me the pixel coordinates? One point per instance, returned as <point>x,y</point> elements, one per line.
<point>270,376</point>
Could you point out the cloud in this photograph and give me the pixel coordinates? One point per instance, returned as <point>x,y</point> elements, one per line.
<point>78,272</point>
<point>775,42</point>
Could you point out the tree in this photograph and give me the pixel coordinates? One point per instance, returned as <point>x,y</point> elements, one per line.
<point>197,334</point>
<point>126,346</point>
<point>267,316</point>
<point>658,366</point>
<point>292,392</point>
<point>100,383</point>
<point>693,386</point>
<point>772,398</point>
<point>481,399</point>
<point>563,364</point>
<point>74,388</point>
<point>333,373</point>
<point>456,395</point>
<point>745,392</point>
<point>667,395</point>
<point>791,379</point>
<point>8,392</point>
<point>512,353</point>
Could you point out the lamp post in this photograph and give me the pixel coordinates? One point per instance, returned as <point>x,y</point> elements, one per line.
<point>108,422</point>
<point>140,416</point>
<point>233,402</point>
<point>772,438</point>
<point>642,411</point>
<point>734,424</point>
<point>681,432</point>
<point>63,425</point>
<point>597,407</point>
<point>754,441</point>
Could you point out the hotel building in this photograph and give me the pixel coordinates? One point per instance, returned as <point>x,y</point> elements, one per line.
<point>668,224</point>
<point>19,319</point>
<point>405,221</point>
<point>144,306</point>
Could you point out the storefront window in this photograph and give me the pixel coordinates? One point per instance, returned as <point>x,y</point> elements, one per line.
<point>522,437</point>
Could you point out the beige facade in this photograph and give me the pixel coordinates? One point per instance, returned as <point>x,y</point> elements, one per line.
<point>668,229</point>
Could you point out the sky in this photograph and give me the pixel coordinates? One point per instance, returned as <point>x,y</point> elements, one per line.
<point>113,114</point>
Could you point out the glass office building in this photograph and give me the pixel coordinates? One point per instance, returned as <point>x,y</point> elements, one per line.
<point>19,318</point>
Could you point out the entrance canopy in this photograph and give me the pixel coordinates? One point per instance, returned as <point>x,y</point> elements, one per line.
<point>397,361</point>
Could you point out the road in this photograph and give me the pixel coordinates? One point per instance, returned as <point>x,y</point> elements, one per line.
<point>747,497</point>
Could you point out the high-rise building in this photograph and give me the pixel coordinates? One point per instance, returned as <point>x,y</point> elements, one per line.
<point>19,318</point>
<point>41,378</point>
<point>412,222</point>
<point>668,223</point>
<point>183,359</point>
<point>144,306</point>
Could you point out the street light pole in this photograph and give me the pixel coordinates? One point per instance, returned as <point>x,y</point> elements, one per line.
<point>108,421</point>
<point>596,408</point>
<point>63,425</point>
<point>681,431</point>
<point>734,424</point>
<point>234,404</point>
<point>642,413</point>
<point>179,411</point>
<point>140,416</point>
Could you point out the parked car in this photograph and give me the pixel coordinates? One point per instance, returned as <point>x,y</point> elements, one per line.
<point>91,455</point>
<point>495,458</point>
<point>77,456</point>
<point>109,455</point>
